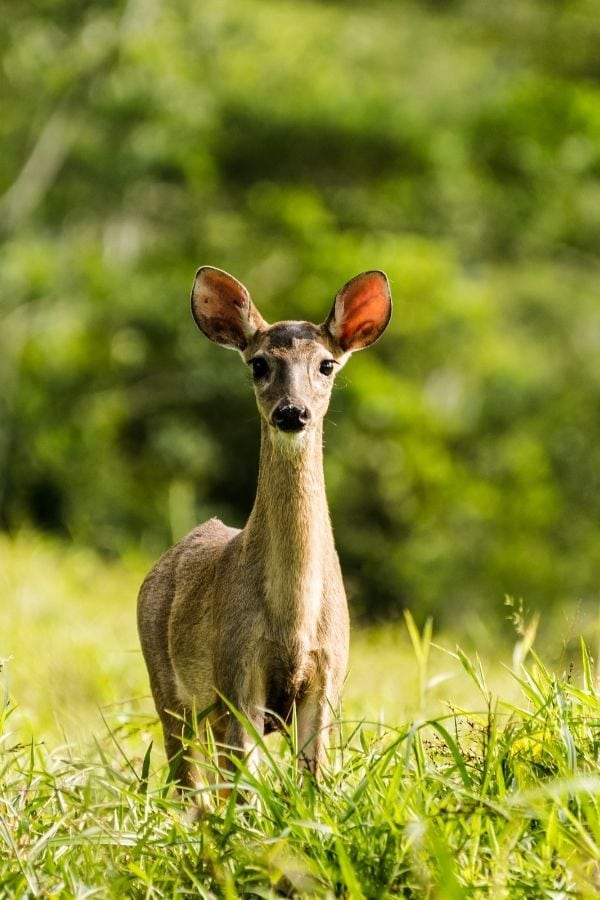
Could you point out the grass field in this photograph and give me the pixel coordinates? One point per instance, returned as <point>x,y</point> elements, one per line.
<point>454,773</point>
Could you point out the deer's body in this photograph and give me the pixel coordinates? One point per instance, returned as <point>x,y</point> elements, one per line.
<point>259,615</point>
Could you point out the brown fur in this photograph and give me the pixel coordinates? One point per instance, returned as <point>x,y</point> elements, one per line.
<point>259,615</point>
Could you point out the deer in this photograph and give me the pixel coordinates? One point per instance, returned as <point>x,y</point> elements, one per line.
<point>256,619</point>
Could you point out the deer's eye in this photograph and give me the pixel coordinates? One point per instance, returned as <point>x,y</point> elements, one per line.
<point>326,367</point>
<point>259,367</point>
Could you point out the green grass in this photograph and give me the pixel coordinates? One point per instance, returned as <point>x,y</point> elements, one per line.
<point>449,777</point>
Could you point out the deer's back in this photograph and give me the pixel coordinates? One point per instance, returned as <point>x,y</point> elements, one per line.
<point>179,587</point>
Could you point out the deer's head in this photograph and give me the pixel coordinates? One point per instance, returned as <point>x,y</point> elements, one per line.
<point>293,363</point>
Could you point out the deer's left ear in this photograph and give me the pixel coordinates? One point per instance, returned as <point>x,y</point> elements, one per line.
<point>361,311</point>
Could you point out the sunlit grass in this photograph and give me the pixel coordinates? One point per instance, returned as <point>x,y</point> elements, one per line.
<point>70,648</point>
<point>451,774</point>
<point>67,634</point>
<point>503,802</point>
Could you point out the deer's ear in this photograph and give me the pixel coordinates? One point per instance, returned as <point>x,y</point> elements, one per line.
<point>361,311</point>
<point>223,309</point>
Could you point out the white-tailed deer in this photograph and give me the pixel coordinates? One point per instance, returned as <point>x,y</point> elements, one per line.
<point>259,616</point>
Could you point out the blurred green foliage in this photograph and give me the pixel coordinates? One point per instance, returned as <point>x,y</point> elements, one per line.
<point>454,144</point>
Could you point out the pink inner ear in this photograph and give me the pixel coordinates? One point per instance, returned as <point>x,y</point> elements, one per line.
<point>366,310</point>
<point>221,290</point>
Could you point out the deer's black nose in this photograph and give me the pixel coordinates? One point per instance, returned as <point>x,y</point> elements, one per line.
<point>288,417</point>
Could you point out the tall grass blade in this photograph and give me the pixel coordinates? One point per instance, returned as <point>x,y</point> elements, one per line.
<point>586,664</point>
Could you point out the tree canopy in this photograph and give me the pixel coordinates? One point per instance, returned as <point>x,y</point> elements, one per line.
<point>454,144</point>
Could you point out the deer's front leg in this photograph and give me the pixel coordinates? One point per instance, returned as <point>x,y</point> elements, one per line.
<point>250,703</point>
<point>240,742</point>
<point>314,721</point>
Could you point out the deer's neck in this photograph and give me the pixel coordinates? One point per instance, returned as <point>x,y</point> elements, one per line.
<point>290,527</point>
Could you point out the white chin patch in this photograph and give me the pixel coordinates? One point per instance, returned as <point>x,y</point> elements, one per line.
<point>289,441</point>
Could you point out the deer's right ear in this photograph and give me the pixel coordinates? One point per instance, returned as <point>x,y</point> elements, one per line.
<point>223,309</point>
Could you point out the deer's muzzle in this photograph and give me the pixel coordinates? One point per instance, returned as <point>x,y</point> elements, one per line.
<point>289,417</point>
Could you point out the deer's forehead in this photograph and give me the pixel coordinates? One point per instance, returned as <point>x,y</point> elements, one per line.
<point>301,338</point>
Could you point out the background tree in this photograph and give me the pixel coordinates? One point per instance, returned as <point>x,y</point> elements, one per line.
<point>454,144</point>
